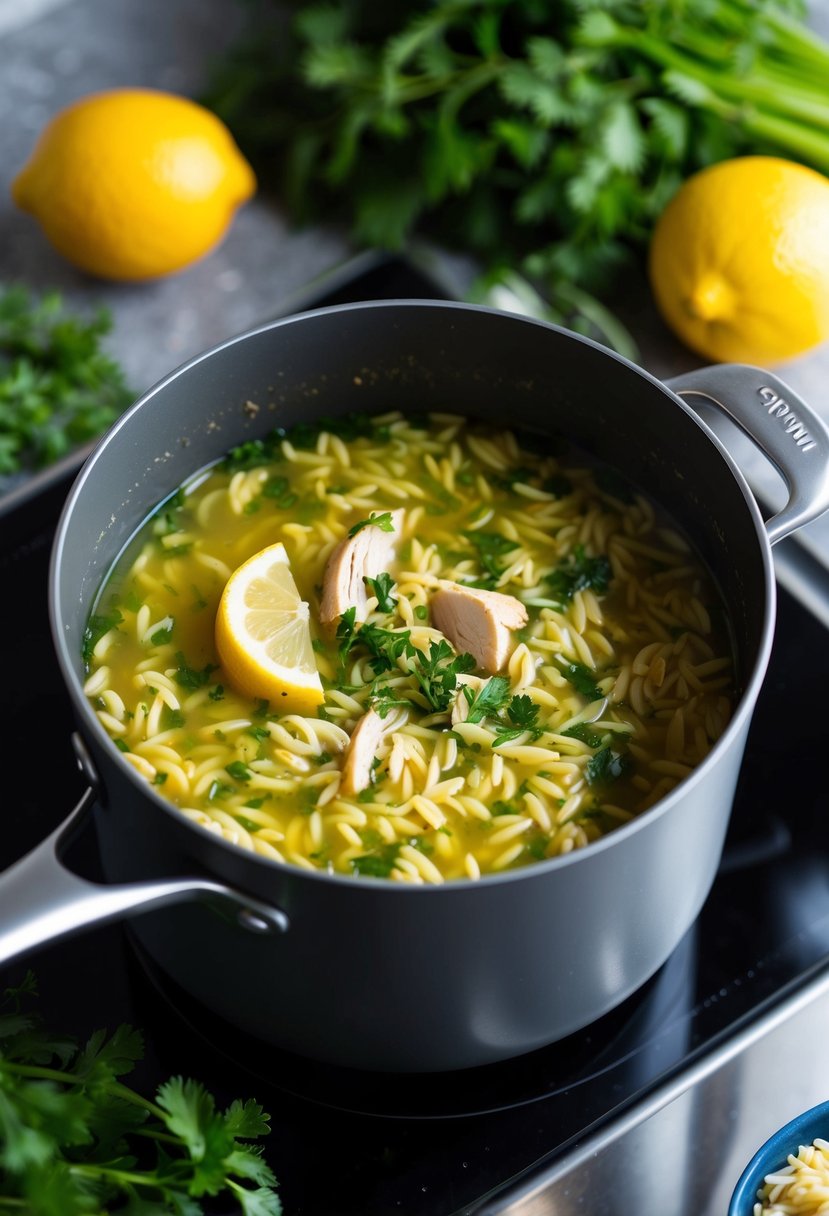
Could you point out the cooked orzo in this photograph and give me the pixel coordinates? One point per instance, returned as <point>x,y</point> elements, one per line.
<point>517,651</point>
<point>799,1188</point>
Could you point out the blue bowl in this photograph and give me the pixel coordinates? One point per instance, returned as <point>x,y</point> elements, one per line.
<point>773,1155</point>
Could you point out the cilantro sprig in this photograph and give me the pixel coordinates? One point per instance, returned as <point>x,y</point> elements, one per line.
<point>75,1138</point>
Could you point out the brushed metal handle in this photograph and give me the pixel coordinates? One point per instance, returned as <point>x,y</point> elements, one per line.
<point>42,901</point>
<point>781,425</point>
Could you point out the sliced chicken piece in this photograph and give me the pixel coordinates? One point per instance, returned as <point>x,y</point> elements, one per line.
<point>479,622</point>
<point>365,555</point>
<point>361,750</point>
<point>460,708</point>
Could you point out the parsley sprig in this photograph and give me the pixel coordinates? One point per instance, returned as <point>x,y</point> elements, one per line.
<point>377,519</point>
<point>435,673</point>
<point>381,587</point>
<point>544,140</point>
<point>74,1138</point>
<point>58,387</point>
<point>522,714</point>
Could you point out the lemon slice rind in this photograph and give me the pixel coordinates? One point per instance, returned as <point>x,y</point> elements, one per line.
<point>263,634</point>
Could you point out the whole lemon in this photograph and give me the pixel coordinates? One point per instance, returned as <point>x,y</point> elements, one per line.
<point>131,184</point>
<point>739,260</point>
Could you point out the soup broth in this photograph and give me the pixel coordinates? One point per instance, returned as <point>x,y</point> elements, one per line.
<point>613,681</point>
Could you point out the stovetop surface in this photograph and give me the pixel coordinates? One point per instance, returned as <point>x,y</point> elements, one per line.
<point>345,1143</point>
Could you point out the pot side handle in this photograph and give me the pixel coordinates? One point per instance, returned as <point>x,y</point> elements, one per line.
<point>41,900</point>
<point>779,422</point>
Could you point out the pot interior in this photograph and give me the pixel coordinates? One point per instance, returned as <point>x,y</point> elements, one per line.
<point>414,356</point>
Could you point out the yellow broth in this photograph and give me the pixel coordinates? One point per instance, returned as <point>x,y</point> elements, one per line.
<point>618,686</point>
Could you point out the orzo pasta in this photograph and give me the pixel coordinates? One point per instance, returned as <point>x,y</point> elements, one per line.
<point>601,669</point>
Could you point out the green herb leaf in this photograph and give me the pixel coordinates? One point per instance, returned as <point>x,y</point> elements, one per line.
<point>578,572</point>
<point>490,546</point>
<point>188,677</point>
<point>381,588</point>
<point>488,700</point>
<point>582,679</point>
<point>73,1133</point>
<point>607,765</point>
<point>437,673</point>
<point>378,864</point>
<point>58,388</point>
<point>381,520</point>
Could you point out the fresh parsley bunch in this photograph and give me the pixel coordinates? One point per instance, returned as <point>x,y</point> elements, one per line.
<point>75,1139</point>
<point>58,388</point>
<point>544,137</point>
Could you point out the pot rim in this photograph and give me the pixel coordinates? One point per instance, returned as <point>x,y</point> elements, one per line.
<point>537,869</point>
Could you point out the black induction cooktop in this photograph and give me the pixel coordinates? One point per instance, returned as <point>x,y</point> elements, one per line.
<point>346,1143</point>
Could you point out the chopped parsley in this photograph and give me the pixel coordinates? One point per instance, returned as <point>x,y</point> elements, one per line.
<point>522,713</point>
<point>381,588</point>
<point>582,679</point>
<point>489,699</point>
<point>607,765</point>
<point>98,625</point>
<point>381,520</point>
<point>238,771</point>
<point>490,547</point>
<point>583,733</point>
<point>437,673</point>
<point>386,646</point>
<point>378,864</point>
<point>190,678</point>
<point>578,572</point>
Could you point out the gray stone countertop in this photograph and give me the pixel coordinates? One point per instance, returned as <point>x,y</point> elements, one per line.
<point>54,51</point>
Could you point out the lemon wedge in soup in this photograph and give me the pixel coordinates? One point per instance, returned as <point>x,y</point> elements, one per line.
<point>263,634</point>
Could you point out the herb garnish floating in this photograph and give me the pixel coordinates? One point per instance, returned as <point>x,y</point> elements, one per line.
<point>488,700</point>
<point>303,435</point>
<point>76,1139</point>
<point>522,713</point>
<point>98,624</point>
<point>381,520</point>
<point>436,673</point>
<point>578,572</point>
<point>607,765</point>
<point>490,546</point>
<point>381,588</point>
<point>545,140</point>
<point>582,679</point>
<point>57,387</point>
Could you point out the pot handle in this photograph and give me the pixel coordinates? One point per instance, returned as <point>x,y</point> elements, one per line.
<point>779,422</point>
<point>42,901</point>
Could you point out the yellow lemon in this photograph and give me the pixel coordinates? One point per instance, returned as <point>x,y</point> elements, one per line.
<point>131,184</point>
<point>739,260</point>
<point>263,634</point>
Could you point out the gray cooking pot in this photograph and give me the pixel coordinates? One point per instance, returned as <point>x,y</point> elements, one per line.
<point>358,971</point>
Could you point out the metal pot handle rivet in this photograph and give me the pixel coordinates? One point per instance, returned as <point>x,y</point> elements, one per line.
<point>42,901</point>
<point>780,423</point>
